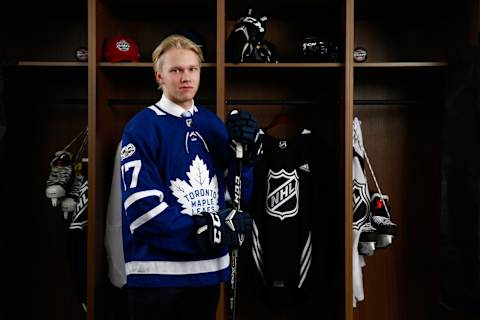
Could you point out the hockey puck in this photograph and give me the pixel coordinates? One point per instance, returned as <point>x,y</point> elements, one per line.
<point>81,54</point>
<point>359,54</point>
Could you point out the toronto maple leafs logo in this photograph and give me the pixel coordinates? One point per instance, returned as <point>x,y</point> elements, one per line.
<point>199,193</point>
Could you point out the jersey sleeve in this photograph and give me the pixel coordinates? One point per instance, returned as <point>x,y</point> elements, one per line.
<point>147,215</point>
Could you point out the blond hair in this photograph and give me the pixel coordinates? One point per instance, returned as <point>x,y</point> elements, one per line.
<point>174,41</point>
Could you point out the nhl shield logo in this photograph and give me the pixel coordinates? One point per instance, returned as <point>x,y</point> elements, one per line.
<point>360,203</point>
<point>282,194</point>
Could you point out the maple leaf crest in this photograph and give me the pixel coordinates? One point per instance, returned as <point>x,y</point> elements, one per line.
<point>199,193</point>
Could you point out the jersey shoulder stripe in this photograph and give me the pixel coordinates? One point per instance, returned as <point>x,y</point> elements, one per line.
<point>157,110</point>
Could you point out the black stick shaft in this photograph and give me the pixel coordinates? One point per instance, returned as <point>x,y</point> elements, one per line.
<point>234,256</point>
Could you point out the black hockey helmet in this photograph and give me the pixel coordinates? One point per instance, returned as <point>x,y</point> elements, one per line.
<point>247,32</point>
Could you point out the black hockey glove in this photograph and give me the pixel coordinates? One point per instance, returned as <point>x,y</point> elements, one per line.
<point>242,127</point>
<point>223,228</point>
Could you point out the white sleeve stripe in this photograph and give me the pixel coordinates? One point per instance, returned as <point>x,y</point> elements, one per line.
<point>305,273</point>
<point>148,216</point>
<point>259,267</point>
<point>140,195</point>
<point>254,228</point>
<point>255,237</point>
<point>307,245</point>
<point>305,261</point>
<point>256,249</point>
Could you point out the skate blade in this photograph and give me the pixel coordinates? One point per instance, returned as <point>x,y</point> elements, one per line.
<point>366,248</point>
<point>384,240</point>
<point>54,192</point>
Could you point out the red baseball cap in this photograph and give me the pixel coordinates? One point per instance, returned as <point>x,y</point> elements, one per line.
<point>121,48</point>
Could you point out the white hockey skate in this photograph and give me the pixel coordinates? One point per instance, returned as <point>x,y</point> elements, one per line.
<point>69,203</point>
<point>368,239</point>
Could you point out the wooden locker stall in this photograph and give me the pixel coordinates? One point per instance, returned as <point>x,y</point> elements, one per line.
<point>45,95</point>
<point>120,91</point>
<point>399,97</point>
<point>310,94</point>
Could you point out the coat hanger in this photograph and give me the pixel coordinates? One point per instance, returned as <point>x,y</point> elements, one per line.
<point>282,126</point>
<point>280,119</point>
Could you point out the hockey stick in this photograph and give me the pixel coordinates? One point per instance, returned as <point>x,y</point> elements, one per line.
<point>237,201</point>
<point>234,254</point>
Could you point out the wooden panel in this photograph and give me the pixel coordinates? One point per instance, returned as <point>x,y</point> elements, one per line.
<point>346,151</point>
<point>417,64</point>
<point>220,54</point>
<point>320,85</point>
<point>138,87</point>
<point>146,65</point>
<point>92,171</point>
<point>285,65</point>
<point>52,64</point>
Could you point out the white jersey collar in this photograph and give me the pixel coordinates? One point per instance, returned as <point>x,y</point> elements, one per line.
<point>174,109</point>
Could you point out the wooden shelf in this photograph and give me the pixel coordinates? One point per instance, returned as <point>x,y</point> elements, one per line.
<point>52,64</point>
<point>285,65</point>
<point>399,64</point>
<point>141,64</point>
<point>240,65</point>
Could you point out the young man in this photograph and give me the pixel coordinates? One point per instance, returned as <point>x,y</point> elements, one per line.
<point>177,229</point>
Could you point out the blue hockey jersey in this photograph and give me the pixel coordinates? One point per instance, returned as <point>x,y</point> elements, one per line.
<point>173,168</point>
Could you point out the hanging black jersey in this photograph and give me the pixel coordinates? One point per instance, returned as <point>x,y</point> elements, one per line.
<point>77,235</point>
<point>284,192</point>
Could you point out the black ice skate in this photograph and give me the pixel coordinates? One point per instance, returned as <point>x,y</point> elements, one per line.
<point>380,210</point>
<point>69,203</point>
<point>60,176</point>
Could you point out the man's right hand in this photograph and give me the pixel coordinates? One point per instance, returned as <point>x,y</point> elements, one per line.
<point>242,127</point>
<point>223,228</point>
